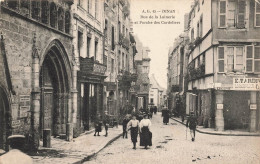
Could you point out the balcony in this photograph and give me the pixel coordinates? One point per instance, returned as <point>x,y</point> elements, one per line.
<point>90,67</point>
<point>195,73</point>
<point>124,41</point>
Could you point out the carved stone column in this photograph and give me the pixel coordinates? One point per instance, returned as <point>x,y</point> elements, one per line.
<point>35,111</point>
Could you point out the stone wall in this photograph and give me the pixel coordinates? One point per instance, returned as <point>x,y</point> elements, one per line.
<point>19,32</point>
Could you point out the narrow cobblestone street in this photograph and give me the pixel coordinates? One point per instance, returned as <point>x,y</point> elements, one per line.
<point>171,146</point>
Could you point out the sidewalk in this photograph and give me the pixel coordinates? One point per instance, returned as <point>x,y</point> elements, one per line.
<point>212,131</point>
<point>80,149</point>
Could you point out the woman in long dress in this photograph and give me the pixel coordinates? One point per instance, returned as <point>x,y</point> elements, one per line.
<point>145,133</point>
<point>133,125</point>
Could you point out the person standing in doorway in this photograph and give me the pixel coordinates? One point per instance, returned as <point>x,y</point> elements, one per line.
<point>133,126</point>
<point>145,133</point>
<point>192,124</point>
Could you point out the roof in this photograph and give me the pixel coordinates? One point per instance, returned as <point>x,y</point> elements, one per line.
<point>155,84</point>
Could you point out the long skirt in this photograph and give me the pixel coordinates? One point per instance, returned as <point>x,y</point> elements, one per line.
<point>134,133</point>
<point>145,137</point>
<point>166,118</point>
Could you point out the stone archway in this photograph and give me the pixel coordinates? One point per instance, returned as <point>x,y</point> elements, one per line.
<point>4,118</point>
<point>55,91</point>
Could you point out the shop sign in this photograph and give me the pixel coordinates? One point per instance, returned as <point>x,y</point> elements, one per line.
<point>24,110</point>
<point>223,88</point>
<point>16,123</point>
<point>253,106</point>
<point>24,105</point>
<point>219,106</point>
<point>246,84</point>
<point>98,68</point>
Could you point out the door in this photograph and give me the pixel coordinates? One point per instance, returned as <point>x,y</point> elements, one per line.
<point>48,109</point>
<point>47,102</point>
<point>4,119</point>
<point>2,122</point>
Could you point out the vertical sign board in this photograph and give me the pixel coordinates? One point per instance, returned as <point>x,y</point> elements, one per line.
<point>24,103</point>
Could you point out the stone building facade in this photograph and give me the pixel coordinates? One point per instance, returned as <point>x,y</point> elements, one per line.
<point>142,62</point>
<point>88,41</point>
<point>223,64</point>
<point>156,93</point>
<point>37,81</point>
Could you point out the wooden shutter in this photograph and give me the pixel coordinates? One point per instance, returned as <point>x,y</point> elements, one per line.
<point>249,58</point>
<point>221,61</point>
<point>222,14</point>
<point>257,59</point>
<point>257,14</point>
<point>241,14</point>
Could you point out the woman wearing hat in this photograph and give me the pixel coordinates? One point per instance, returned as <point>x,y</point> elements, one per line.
<point>133,125</point>
<point>145,134</point>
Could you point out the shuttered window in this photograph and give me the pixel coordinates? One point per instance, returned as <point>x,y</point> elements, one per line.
<point>253,59</point>
<point>221,61</point>
<point>257,14</point>
<point>241,14</point>
<point>222,13</point>
<point>232,13</point>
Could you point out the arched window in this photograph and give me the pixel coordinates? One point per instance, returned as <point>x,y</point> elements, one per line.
<point>12,4</point>
<point>45,12</point>
<point>67,22</point>
<point>36,8</point>
<point>60,19</point>
<point>53,15</point>
<point>24,7</point>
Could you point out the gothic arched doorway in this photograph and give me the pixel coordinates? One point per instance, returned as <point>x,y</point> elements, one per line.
<point>54,83</point>
<point>4,118</point>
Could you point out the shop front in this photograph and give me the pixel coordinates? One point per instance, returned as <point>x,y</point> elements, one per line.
<point>90,86</point>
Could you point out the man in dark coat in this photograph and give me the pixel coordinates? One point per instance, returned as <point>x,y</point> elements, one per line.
<point>125,121</point>
<point>192,124</point>
<point>166,116</point>
<point>98,126</point>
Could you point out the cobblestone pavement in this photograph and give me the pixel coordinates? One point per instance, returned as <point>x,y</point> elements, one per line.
<point>171,146</point>
<point>76,150</point>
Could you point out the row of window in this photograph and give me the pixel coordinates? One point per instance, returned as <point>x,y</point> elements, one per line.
<point>87,4</point>
<point>239,59</point>
<point>124,32</point>
<point>80,45</point>
<point>199,29</point>
<point>124,60</point>
<point>44,11</point>
<point>233,14</point>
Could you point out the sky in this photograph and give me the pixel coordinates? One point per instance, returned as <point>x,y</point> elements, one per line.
<point>159,37</point>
